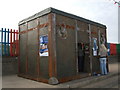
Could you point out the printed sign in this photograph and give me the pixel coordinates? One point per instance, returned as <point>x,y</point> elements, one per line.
<point>95,47</point>
<point>43,46</point>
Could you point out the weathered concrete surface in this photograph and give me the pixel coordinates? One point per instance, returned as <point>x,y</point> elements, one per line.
<point>82,83</point>
<point>107,83</point>
<point>18,82</point>
<point>114,58</point>
<point>9,65</point>
<point>12,81</point>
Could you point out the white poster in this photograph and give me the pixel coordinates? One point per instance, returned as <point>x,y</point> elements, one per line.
<point>95,47</point>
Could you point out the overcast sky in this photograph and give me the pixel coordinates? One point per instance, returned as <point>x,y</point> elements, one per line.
<point>102,11</point>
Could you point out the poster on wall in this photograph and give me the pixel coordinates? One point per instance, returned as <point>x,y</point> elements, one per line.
<point>95,47</point>
<point>43,45</point>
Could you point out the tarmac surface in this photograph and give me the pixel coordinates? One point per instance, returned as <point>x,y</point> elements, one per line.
<point>106,81</point>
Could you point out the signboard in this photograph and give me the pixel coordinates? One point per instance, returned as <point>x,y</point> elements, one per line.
<point>95,47</point>
<point>43,45</point>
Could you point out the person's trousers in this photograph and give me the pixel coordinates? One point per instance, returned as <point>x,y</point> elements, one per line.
<point>103,66</point>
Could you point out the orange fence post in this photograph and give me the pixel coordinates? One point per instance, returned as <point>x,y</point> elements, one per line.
<point>16,42</point>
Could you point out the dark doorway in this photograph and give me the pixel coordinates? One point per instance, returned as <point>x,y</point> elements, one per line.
<point>81,56</point>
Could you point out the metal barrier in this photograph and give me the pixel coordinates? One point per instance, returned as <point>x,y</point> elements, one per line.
<point>9,42</point>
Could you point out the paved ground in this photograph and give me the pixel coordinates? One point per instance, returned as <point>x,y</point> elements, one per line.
<point>12,81</point>
<point>17,82</point>
<point>108,81</point>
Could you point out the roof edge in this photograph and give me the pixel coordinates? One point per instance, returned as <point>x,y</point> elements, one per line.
<point>41,13</point>
<point>77,17</point>
<point>53,10</point>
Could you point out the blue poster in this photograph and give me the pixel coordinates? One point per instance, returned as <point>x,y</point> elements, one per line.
<point>43,45</point>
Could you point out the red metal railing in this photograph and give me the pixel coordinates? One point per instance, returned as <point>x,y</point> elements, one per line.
<point>9,42</point>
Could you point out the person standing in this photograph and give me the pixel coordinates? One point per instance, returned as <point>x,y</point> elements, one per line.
<point>103,56</point>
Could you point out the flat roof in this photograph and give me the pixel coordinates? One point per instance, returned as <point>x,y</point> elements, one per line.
<point>53,10</point>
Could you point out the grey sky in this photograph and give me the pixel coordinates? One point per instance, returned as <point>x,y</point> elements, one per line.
<point>102,11</point>
<point>119,25</point>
